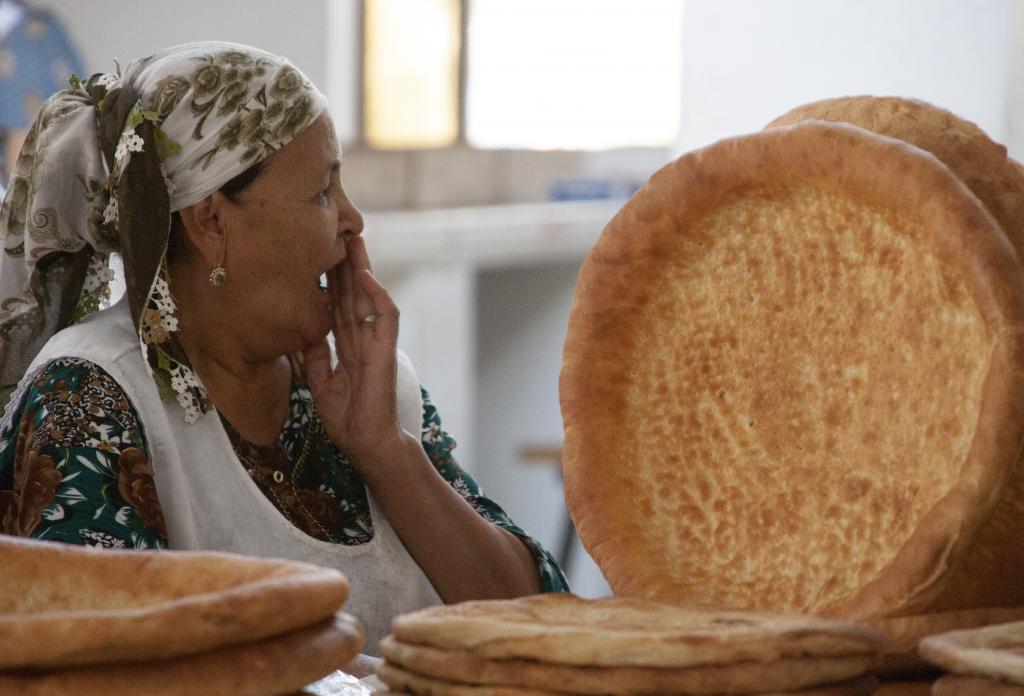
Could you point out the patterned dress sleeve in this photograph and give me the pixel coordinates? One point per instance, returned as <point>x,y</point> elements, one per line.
<point>74,465</point>
<point>439,445</point>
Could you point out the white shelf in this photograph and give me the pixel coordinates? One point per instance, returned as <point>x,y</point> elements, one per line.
<point>488,236</point>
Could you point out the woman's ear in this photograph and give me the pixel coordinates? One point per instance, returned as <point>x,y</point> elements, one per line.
<point>205,229</point>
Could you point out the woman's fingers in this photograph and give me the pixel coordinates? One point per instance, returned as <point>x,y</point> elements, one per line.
<point>356,397</point>
<point>358,262</point>
<point>382,308</point>
<point>345,306</point>
<point>343,321</point>
<point>357,254</point>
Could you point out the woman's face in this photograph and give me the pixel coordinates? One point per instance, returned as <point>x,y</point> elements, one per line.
<point>285,230</point>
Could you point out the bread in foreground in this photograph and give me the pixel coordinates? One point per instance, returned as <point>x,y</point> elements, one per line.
<point>63,605</point>
<point>268,667</point>
<point>567,630</point>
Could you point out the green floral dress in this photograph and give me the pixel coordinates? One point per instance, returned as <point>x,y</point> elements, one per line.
<point>74,467</point>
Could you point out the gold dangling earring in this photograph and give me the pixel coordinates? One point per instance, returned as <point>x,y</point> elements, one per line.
<point>219,275</point>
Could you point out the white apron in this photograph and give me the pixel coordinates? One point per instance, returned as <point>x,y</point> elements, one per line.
<point>209,502</point>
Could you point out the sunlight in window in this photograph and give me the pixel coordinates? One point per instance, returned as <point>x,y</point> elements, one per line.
<point>411,73</point>
<point>574,74</point>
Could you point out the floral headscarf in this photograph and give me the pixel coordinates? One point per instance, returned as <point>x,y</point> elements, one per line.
<point>102,169</point>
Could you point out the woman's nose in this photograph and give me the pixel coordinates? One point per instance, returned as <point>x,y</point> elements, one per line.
<point>350,220</point>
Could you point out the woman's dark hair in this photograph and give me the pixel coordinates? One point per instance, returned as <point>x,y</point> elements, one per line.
<point>230,189</point>
<point>236,185</point>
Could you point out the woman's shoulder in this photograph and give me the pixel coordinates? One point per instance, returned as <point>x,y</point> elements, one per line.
<point>75,402</point>
<point>74,465</point>
<point>107,326</point>
<point>103,339</point>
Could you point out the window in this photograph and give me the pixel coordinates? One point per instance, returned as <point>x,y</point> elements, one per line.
<point>574,74</point>
<point>411,72</point>
<point>541,74</point>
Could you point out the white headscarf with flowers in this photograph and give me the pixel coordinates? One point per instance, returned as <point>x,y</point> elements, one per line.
<point>104,166</point>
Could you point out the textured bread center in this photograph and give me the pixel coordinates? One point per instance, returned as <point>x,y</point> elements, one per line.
<point>817,372</point>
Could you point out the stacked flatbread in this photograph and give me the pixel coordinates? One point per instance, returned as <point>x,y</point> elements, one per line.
<point>985,661</point>
<point>561,644</point>
<point>73,620</point>
<point>793,378</point>
<point>904,688</point>
<point>904,633</point>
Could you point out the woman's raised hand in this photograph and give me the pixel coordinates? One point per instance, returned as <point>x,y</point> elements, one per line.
<point>356,398</point>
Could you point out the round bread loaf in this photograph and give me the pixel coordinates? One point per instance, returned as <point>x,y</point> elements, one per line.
<point>793,378</point>
<point>904,688</point>
<point>998,181</point>
<point>903,633</point>
<point>957,685</point>
<point>746,676</point>
<point>622,632</point>
<point>63,605</point>
<point>978,161</point>
<point>995,652</point>
<point>269,667</point>
<point>409,682</point>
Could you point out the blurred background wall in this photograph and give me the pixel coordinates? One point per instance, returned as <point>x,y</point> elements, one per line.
<point>481,244</point>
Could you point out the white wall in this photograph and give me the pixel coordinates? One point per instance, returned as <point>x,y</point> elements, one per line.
<point>747,61</point>
<point>130,29</point>
<point>521,324</point>
<point>437,311</point>
<point>1015,100</point>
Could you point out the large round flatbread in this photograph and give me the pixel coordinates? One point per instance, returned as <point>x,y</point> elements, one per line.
<point>903,633</point>
<point>915,688</point>
<point>398,678</point>
<point>63,605</point>
<point>783,674</point>
<point>270,667</point>
<point>996,652</point>
<point>997,180</point>
<point>957,685</point>
<point>860,687</point>
<point>568,630</point>
<point>792,377</point>
<point>982,164</point>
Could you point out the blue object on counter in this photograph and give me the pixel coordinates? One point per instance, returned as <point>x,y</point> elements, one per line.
<point>591,189</point>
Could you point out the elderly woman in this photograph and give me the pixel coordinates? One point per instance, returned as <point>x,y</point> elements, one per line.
<point>207,410</point>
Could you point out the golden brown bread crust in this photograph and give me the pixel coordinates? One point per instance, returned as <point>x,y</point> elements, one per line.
<point>998,181</point>
<point>66,605</point>
<point>564,629</point>
<point>903,633</point>
<point>268,667</point>
<point>803,296</point>
<point>860,687</point>
<point>398,678</point>
<point>995,652</point>
<point>979,162</point>
<point>957,685</point>
<point>908,688</point>
<point>783,674</point>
